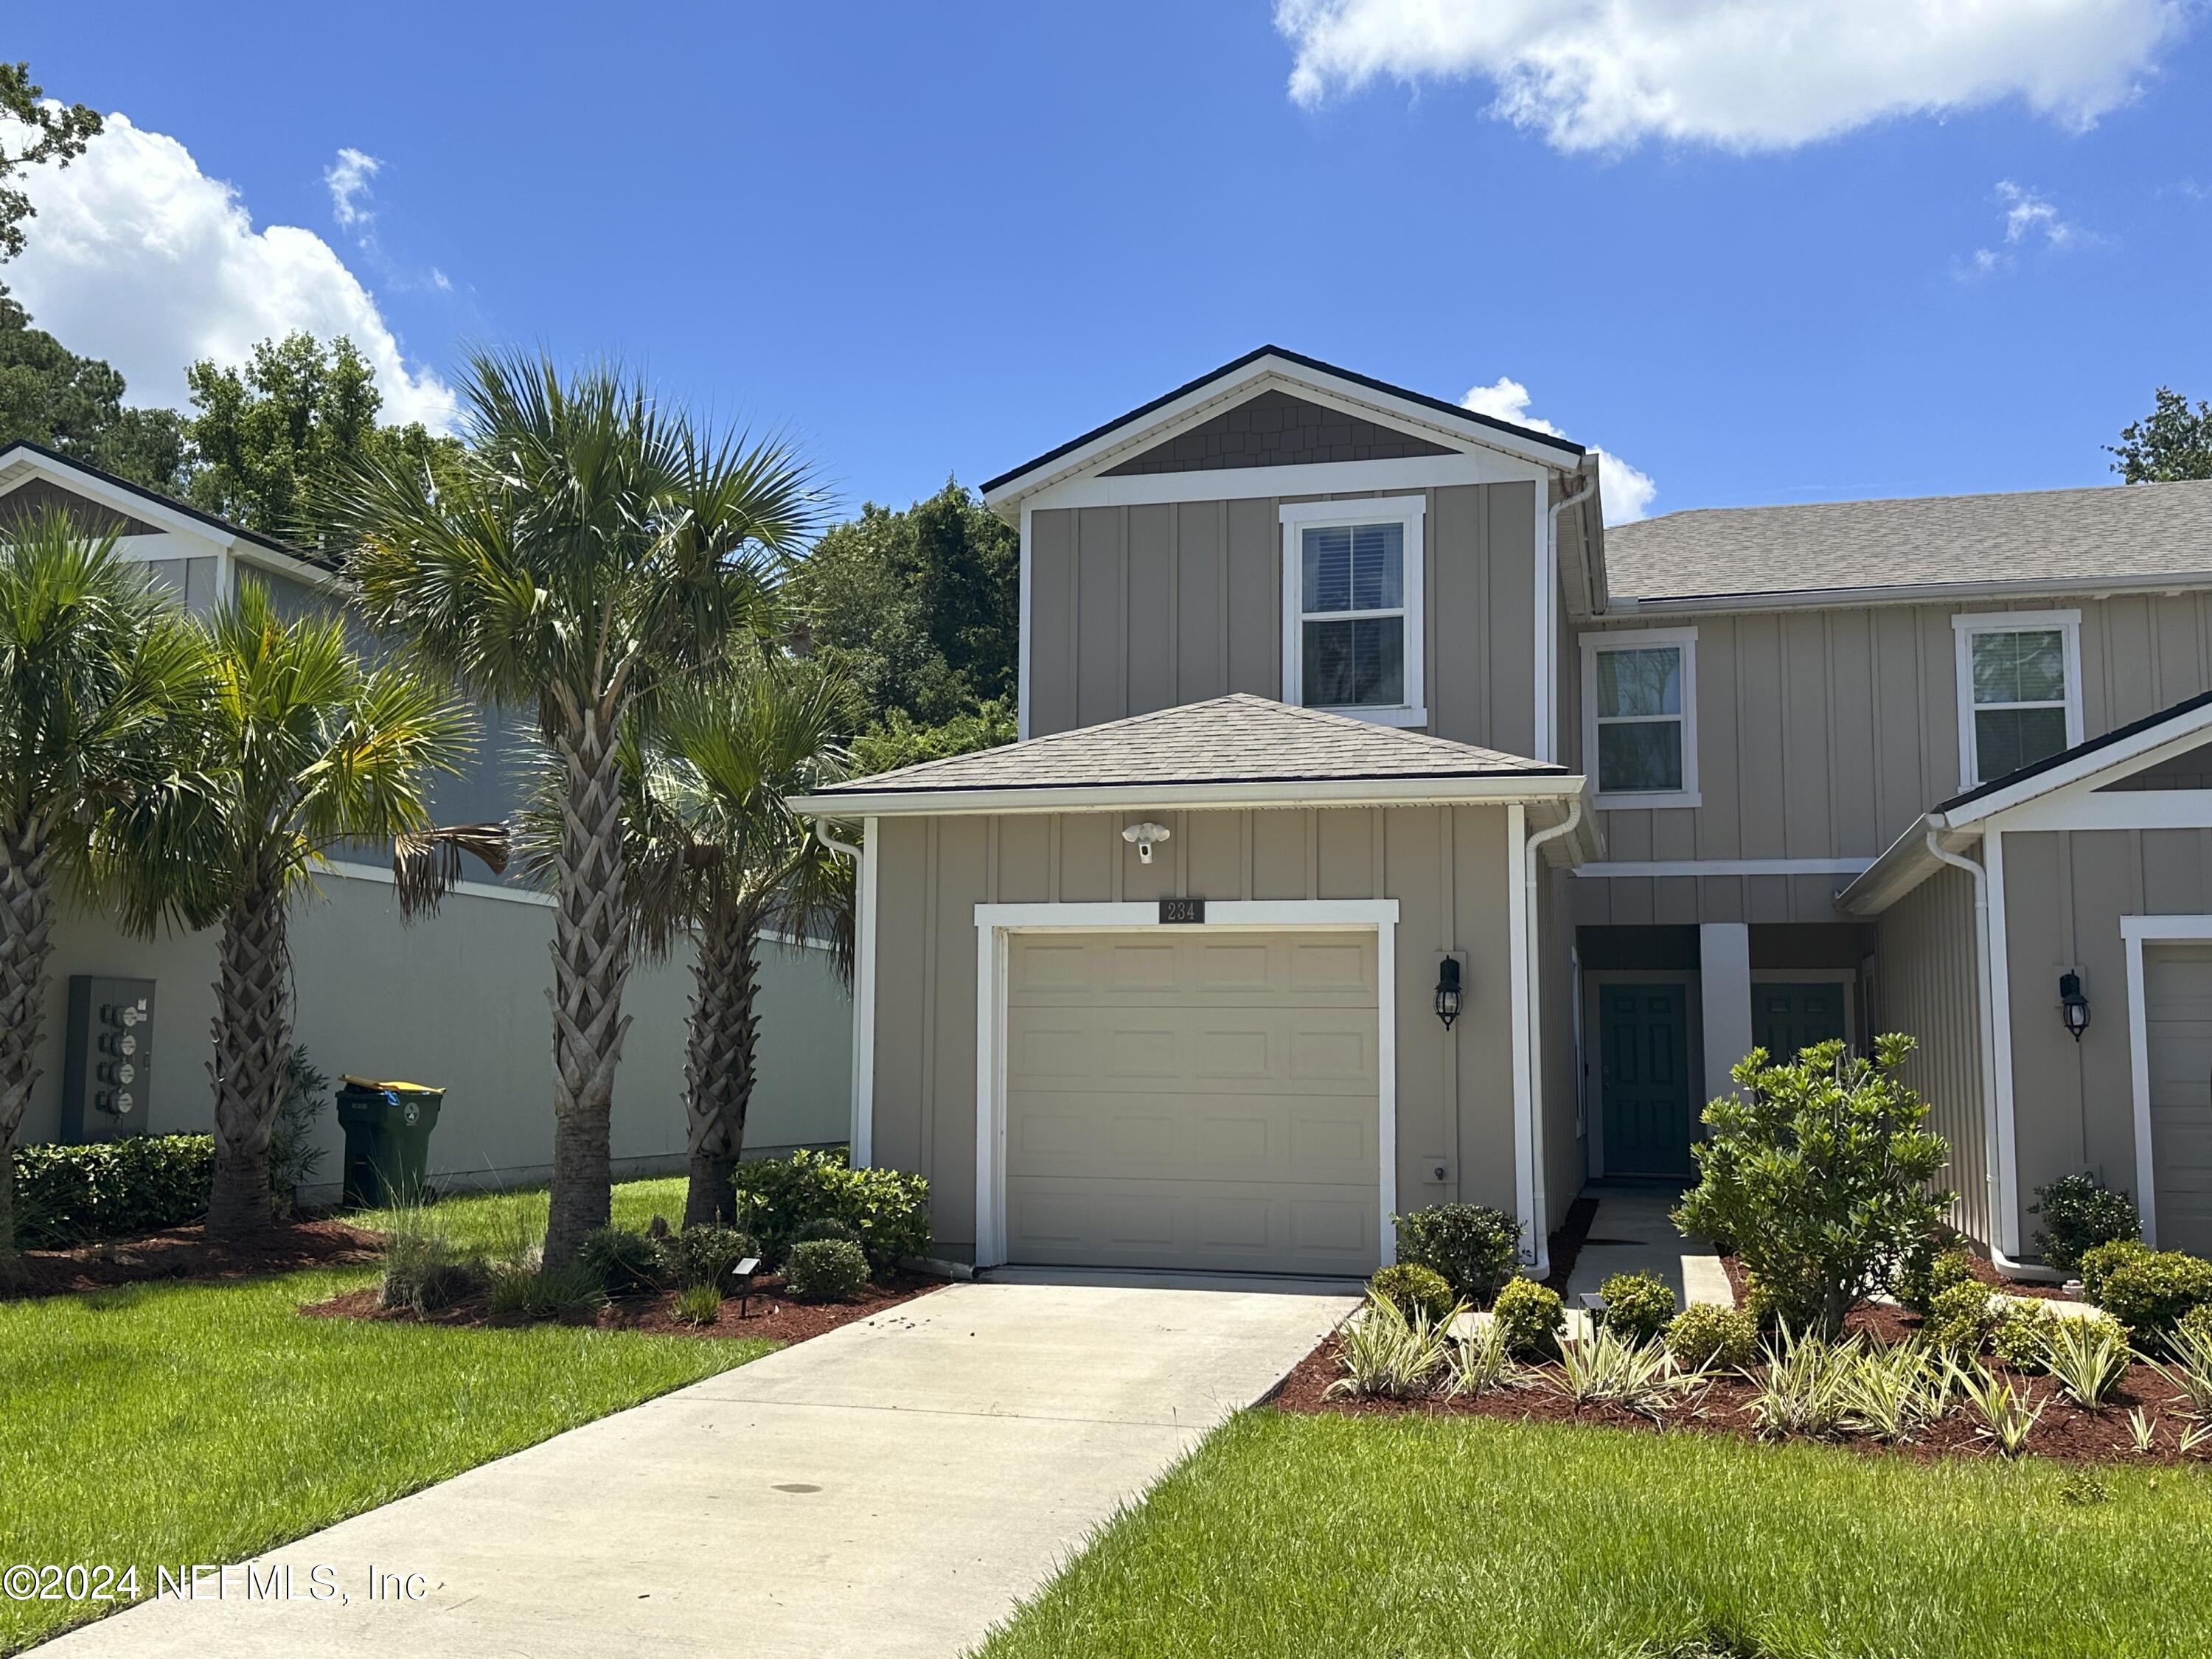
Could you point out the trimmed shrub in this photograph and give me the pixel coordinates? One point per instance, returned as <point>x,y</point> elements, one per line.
<point>825,1270</point>
<point>699,1304</point>
<point>2101,1263</point>
<point>1961,1319</point>
<point>1929,1270</point>
<point>2151,1293</point>
<point>623,1262</point>
<point>1822,1173</point>
<point>704,1255</point>
<point>1704,1334</point>
<point>1636,1306</point>
<point>2079,1215</point>
<point>1476,1249</point>
<point>887,1209</point>
<point>1414,1289</point>
<point>71,1196</point>
<point>2194,1328</point>
<point>2022,1336</point>
<point>824,1226</point>
<point>1531,1316</point>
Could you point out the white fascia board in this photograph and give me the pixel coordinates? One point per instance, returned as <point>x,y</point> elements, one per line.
<point>1269,483</point>
<point>1839,599</point>
<point>2085,773</point>
<point>125,501</point>
<point>1171,798</point>
<point>280,564</point>
<point>1266,374</point>
<point>1904,864</point>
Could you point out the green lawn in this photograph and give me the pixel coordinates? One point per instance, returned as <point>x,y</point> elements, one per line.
<point>1422,1538</point>
<point>178,1423</point>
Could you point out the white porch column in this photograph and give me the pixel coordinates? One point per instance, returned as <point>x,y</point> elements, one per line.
<point>1724,988</point>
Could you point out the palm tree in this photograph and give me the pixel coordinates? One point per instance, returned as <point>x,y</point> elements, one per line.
<point>99,681</point>
<point>588,547</point>
<point>722,858</point>
<point>305,748</point>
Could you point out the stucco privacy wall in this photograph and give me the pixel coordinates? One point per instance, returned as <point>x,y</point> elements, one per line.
<point>1448,867</point>
<point>2065,892</point>
<point>1929,985</point>
<point>1137,608</point>
<point>459,1000</point>
<point>1822,733</point>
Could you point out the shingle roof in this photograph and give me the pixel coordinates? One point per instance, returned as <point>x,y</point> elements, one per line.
<point>140,490</point>
<point>2116,531</point>
<point>1234,739</point>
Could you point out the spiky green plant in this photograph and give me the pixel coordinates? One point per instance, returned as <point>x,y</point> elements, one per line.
<point>1606,1369</point>
<point>2008,1419</point>
<point>1385,1353</point>
<point>1805,1387</point>
<point>2086,1357</point>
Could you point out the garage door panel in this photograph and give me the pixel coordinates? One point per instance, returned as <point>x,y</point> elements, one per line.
<point>1194,1101</point>
<point>2177,1027</point>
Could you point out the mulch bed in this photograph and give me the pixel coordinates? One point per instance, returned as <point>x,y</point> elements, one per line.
<point>2064,1433</point>
<point>188,1254</point>
<point>770,1316</point>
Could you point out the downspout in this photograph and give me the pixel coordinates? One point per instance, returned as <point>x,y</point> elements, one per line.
<point>822,834</point>
<point>1986,998</point>
<point>1547,679</point>
<point>1536,1007</point>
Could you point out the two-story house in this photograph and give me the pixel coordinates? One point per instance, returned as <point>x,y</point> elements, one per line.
<point>1384,830</point>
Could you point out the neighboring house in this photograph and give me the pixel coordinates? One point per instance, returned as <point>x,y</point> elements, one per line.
<point>458,1000</point>
<point>1363,672</point>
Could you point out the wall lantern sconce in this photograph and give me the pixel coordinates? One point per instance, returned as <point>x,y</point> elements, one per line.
<point>1448,991</point>
<point>1144,837</point>
<point>2073,1006</point>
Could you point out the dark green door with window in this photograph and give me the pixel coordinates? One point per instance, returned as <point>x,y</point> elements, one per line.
<point>1643,1040</point>
<point>1787,1018</point>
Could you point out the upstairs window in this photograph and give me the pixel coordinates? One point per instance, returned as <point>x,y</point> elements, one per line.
<point>1351,625</point>
<point>2020,691</point>
<point>1640,717</point>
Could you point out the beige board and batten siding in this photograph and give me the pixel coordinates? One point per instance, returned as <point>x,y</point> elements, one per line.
<point>2065,892</point>
<point>1446,866</point>
<point>1822,733</point>
<point>1135,608</point>
<point>1929,987</point>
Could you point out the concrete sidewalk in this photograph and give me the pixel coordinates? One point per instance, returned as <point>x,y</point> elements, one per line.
<point>1631,1234</point>
<point>890,1488</point>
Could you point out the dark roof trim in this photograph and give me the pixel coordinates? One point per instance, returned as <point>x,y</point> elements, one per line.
<point>1303,362</point>
<point>877,783</point>
<point>169,501</point>
<point>2088,746</point>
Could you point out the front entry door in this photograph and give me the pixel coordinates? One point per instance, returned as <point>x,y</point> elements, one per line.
<point>1789,1018</point>
<point>1644,1036</point>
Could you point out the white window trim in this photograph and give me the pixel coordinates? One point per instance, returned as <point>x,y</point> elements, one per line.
<point>1411,511</point>
<point>1964,625</point>
<point>1685,640</point>
<point>2135,930</point>
<point>993,922</point>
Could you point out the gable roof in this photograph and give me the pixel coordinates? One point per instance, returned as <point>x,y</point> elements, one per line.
<point>20,447</point>
<point>1254,366</point>
<point>1820,551</point>
<point>1232,750</point>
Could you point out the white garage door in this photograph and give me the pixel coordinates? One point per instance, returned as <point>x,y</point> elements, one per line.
<point>1193,1100</point>
<point>2177,1021</point>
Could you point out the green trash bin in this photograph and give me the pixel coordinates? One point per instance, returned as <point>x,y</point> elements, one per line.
<point>387,1140</point>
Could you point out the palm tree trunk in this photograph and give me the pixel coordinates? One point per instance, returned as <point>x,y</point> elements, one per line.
<point>591,961</point>
<point>27,906</point>
<point>718,1067</point>
<point>252,1034</point>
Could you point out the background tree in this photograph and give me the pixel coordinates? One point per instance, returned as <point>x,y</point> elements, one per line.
<point>302,749</point>
<point>50,133</point>
<point>918,609</point>
<point>2172,444</point>
<point>99,681</point>
<point>74,406</point>
<point>723,859</point>
<point>897,741</point>
<point>269,439</point>
<point>587,549</point>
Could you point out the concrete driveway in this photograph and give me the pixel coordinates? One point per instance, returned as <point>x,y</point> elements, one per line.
<point>890,1488</point>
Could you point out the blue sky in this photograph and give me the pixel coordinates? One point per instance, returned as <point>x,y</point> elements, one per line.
<point>940,239</point>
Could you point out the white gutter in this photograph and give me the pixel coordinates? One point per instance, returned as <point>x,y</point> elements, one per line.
<point>1532,965</point>
<point>1479,790</point>
<point>1796,598</point>
<point>1991,1107</point>
<point>1547,624</point>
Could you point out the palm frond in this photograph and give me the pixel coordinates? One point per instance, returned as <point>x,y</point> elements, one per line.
<point>426,863</point>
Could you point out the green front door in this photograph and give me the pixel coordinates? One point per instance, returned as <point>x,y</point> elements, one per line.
<point>1643,1036</point>
<point>1787,1018</point>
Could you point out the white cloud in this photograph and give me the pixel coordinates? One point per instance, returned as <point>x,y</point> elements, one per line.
<point>1626,490</point>
<point>347,178</point>
<point>1742,75</point>
<point>138,257</point>
<point>2030,220</point>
